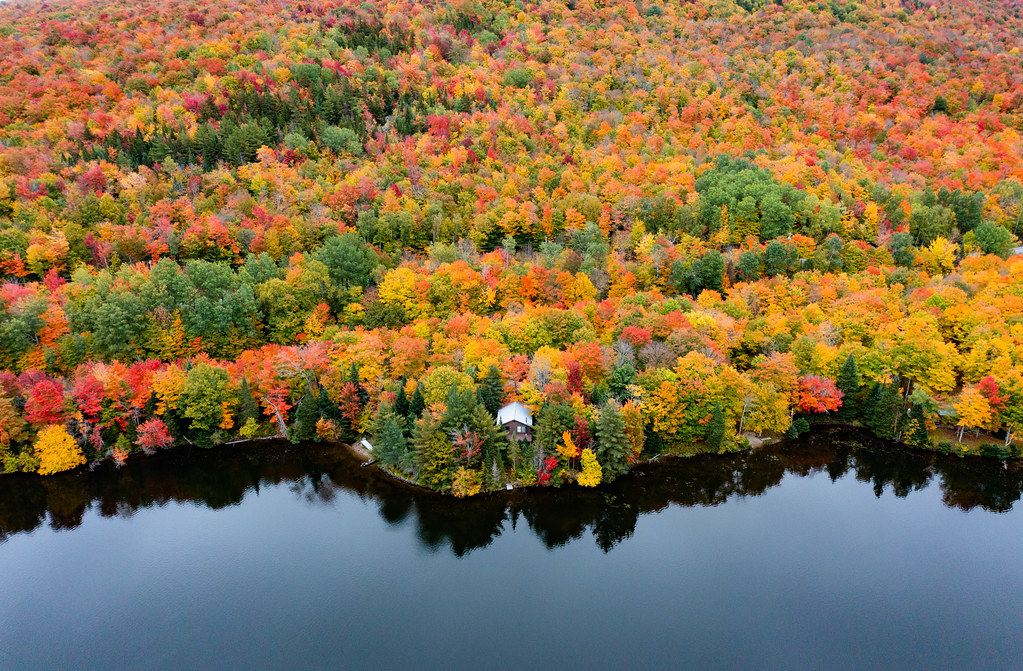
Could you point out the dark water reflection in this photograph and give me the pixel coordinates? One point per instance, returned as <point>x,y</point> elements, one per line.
<point>315,473</point>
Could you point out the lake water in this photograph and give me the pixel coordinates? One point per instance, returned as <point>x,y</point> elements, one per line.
<point>823,553</point>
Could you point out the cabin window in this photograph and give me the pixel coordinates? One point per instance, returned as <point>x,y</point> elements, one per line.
<point>520,429</point>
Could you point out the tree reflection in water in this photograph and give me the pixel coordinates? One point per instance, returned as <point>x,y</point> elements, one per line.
<point>223,477</point>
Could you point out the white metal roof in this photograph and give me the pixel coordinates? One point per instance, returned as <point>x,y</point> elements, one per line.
<point>515,412</point>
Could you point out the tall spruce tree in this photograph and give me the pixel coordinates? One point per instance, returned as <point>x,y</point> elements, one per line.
<point>401,406</point>
<point>884,405</point>
<point>417,404</point>
<point>848,383</point>
<point>492,390</point>
<point>306,416</point>
<point>716,429</point>
<point>433,454</point>
<point>613,446</point>
<point>247,407</point>
<point>390,445</point>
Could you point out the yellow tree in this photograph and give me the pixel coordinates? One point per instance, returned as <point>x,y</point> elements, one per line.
<point>974,410</point>
<point>592,473</point>
<point>57,451</point>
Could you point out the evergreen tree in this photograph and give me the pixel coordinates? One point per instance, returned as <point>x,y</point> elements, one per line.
<point>306,416</point>
<point>401,405</point>
<point>716,429</point>
<point>417,404</point>
<point>390,445</point>
<point>848,383</point>
<point>460,406</point>
<point>916,428</point>
<point>653,444</point>
<point>433,454</point>
<point>328,409</point>
<point>554,420</point>
<point>613,445</point>
<point>247,407</point>
<point>492,390</point>
<point>884,404</point>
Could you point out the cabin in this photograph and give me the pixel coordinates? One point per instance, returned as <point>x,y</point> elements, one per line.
<point>517,421</point>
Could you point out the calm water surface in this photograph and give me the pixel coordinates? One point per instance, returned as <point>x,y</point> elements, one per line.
<point>825,553</point>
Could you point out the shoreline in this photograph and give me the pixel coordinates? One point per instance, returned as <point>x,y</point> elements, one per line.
<point>366,459</point>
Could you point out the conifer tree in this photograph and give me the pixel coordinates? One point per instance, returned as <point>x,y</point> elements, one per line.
<point>433,454</point>
<point>390,445</point>
<point>916,428</point>
<point>306,415</point>
<point>492,390</point>
<point>613,445</point>
<point>401,404</point>
<point>247,407</point>
<point>716,429</point>
<point>848,383</point>
<point>418,403</point>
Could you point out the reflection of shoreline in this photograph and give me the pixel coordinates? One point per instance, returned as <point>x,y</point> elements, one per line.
<point>223,477</point>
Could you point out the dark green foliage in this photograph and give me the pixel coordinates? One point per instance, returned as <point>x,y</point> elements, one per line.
<point>798,427</point>
<point>492,390</point>
<point>994,451</point>
<point>613,445</point>
<point>764,200</point>
<point>401,403</point>
<point>993,239</point>
<point>883,410</point>
<point>779,258</point>
<point>328,409</point>
<point>848,383</point>
<point>715,429</point>
<point>306,415</point>
<point>433,454</point>
<point>349,260</point>
<point>748,269</point>
<point>247,407</point>
<point>390,445</point>
<point>620,379</point>
<point>418,403</point>
<point>917,428</point>
<point>653,444</point>
<point>901,247</point>
<point>553,420</point>
<point>967,207</point>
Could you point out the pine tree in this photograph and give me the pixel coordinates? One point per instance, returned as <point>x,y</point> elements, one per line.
<point>884,405</point>
<point>916,428</point>
<point>492,390</point>
<point>433,454</point>
<point>390,445</point>
<point>418,403</point>
<point>613,445</point>
<point>401,404</point>
<point>306,415</point>
<point>328,408</point>
<point>247,407</point>
<point>849,384</point>
<point>716,429</point>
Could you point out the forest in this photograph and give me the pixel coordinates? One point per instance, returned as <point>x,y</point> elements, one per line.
<point>665,228</point>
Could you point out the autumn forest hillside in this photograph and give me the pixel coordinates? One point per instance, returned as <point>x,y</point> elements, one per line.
<point>663,227</point>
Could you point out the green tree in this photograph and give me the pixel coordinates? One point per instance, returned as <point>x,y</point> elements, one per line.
<point>390,445</point>
<point>716,429</point>
<point>206,391</point>
<point>613,446</point>
<point>418,403</point>
<point>306,416</point>
<point>848,383</point>
<point>350,261</point>
<point>433,453</point>
<point>492,390</point>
